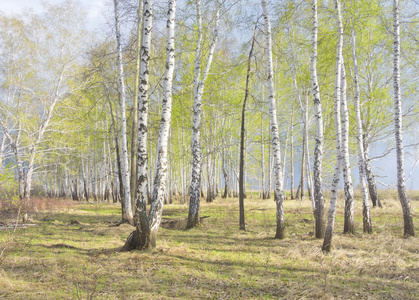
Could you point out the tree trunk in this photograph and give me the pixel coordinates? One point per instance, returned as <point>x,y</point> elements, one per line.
<point>398,125</point>
<point>307,158</point>
<point>262,150</point>
<point>279,194</point>
<point>226,178</point>
<point>372,186</point>
<point>124,146</point>
<point>242,134</point>
<point>318,148</point>
<point>327,243</point>
<point>292,154</point>
<point>349,226</point>
<point>199,85</point>
<point>145,234</point>
<point>366,216</point>
<point>134,138</point>
<point>301,185</point>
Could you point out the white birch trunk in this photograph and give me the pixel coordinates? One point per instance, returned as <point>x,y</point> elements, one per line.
<point>307,158</point>
<point>334,190</point>
<point>134,138</point>
<point>398,125</point>
<point>199,85</point>
<point>276,147</point>
<point>124,146</point>
<point>359,133</point>
<point>318,148</point>
<point>160,178</point>
<point>347,176</point>
<point>141,218</point>
<point>262,150</point>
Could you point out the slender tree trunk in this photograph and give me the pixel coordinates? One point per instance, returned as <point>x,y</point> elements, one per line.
<point>262,150</point>
<point>226,178</point>
<point>292,153</point>
<point>124,146</point>
<point>318,148</point>
<point>301,185</point>
<point>307,157</point>
<point>160,179</point>
<point>366,216</point>
<point>199,85</point>
<point>372,186</point>
<point>242,134</point>
<point>327,243</point>
<point>279,193</point>
<point>134,138</point>
<point>398,125</point>
<point>349,226</point>
<point>142,220</point>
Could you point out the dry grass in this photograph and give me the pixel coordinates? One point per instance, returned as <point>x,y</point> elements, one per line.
<point>63,259</point>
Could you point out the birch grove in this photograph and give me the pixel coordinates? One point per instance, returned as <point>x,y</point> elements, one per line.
<point>67,95</point>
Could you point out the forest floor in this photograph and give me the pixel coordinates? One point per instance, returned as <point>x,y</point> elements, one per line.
<point>72,252</point>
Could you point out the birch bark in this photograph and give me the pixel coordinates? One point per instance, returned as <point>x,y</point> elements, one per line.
<point>134,139</point>
<point>145,234</point>
<point>141,218</point>
<point>318,148</point>
<point>242,224</point>
<point>124,146</point>
<point>359,133</point>
<point>398,125</point>
<point>276,147</point>
<point>347,176</point>
<point>160,178</point>
<point>199,85</point>
<point>334,190</point>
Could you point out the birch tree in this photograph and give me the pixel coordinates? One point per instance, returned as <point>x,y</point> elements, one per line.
<point>147,226</point>
<point>198,90</point>
<point>142,158</point>
<point>318,149</point>
<point>122,99</point>
<point>134,139</point>
<point>276,147</point>
<point>398,126</point>
<point>40,56</point>
<point>339,158</point>
<point>366,217</point>
<point>347,174</point>
<point>242,134</point>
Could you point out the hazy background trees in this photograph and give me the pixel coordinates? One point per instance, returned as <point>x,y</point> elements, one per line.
<point>61,119</point>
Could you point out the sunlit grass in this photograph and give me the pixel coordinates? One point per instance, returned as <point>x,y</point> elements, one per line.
<point>63,259</point>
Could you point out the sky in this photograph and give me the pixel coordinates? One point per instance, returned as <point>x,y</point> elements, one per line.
<point>95,9</point>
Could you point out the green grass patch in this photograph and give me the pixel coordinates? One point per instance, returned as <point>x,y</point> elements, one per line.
<point>73,253</point>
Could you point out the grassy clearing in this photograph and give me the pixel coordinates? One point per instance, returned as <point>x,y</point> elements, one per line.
<point>72,253</point>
